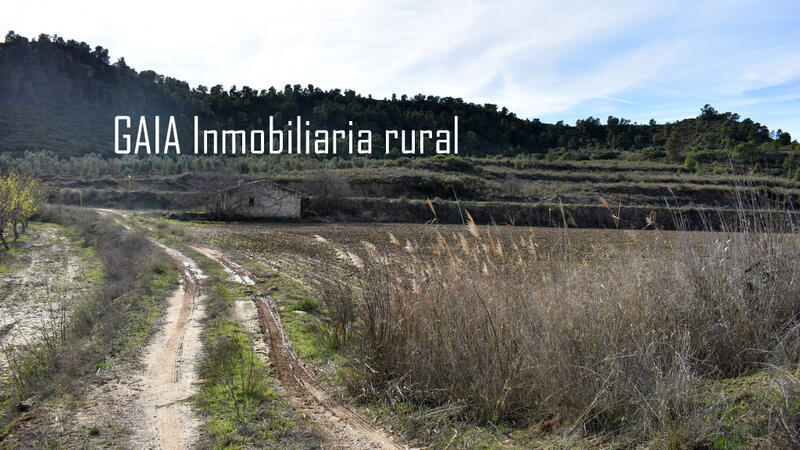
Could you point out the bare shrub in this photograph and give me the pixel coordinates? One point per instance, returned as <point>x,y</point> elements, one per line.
<point>214,183</point>
<point>512,186</point>
<point>326,189</point>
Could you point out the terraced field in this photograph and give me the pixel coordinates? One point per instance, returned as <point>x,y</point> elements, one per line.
<point>523,183</point>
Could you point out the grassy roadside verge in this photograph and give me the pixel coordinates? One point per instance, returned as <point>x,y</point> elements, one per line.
<point>106,328</point>
<point>238,398</point>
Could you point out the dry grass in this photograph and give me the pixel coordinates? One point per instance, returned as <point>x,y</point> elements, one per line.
<point>621,343</point>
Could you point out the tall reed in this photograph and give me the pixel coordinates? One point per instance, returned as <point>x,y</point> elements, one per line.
<point>618,340</point>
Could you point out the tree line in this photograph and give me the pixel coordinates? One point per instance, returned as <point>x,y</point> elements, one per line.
<point>20,198</point>
<point>61,95</point>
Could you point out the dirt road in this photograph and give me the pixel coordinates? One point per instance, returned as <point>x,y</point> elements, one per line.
<point>168,382</point>
<point>339,425</point>
<point>169,379</point>
<point>170,368</point>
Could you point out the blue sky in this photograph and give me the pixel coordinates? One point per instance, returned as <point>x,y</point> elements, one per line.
<point>555,60</point>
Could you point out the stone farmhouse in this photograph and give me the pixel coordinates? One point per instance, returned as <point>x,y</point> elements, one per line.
<point>261,199</point>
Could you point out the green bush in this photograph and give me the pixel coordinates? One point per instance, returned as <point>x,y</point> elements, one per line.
<point>690,163</point>
<point>307,305</point>
<point>458,164</point>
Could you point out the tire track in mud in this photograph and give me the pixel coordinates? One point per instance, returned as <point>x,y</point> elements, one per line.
<point>341,426</point>
<point>171,359</point>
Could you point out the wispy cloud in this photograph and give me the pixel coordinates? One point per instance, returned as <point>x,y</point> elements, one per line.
<point>548,59</point>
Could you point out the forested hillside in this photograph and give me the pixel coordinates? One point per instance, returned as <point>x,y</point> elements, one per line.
<point>61,95</point>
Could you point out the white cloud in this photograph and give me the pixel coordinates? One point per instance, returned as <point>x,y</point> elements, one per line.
<point>526,55</point>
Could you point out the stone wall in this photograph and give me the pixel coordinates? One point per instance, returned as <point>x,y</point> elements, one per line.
<point>260,199</point>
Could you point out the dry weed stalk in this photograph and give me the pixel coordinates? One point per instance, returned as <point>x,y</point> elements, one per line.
<point>618,340</point>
